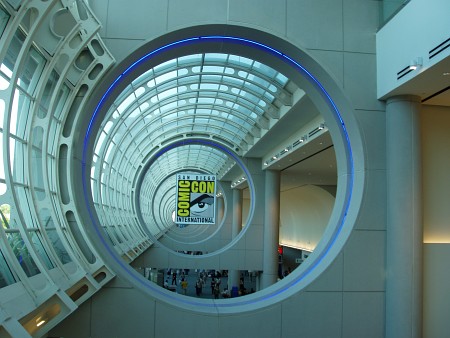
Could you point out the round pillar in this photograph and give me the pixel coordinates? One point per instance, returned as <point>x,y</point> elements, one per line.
<point>404,219</point>
<point>236,226</point>
<point>271,228</point>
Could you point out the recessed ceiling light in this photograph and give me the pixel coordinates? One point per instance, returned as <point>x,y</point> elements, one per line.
<point>446,73</point>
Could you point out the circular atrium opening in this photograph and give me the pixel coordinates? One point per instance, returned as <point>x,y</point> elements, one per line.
<point>250,119</point>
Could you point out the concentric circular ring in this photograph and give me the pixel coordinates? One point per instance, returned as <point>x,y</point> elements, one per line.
<point>284,288</point>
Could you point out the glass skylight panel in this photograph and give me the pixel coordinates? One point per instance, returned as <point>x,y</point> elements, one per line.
<point>245,102</point>
<point>281,79</point>
<point>209,86</point>
<point>165,77</point>
<point>255,89</point>
<point>225,97</point>
<point>108,151</point>
<point>194,86</point>
<point>168,125</point>
<point>229,71</point>
<point>269,97</point>
<point>257,79</point>
<point>210,78</point>
<point>151,83</point>
<point>99,143</point>
<point>142,78</point>
<point>206,100</point>
<point>239,121</point>
<point>108,127</point>
<point>240,60</point>
<point>165,66</point>
<point>249,96</point>
<point>242,74</point>
<point>263,69</point>
<point>136,112</point>
<point>154,99</point>
<point>257,110</point>
<point>144,106</point>
<point>272,88</point>
<point>139,91</point>
<point>115,115</point>
<point>216,57</point>
<point>234,83</point>
<point>196,69</point>
<point>169,106</point>
<point>168,85</point>
<point>167,93</point>
<point>213,69</point>
<point>190,59</point>
<point>126,103</point>
<point>233,129</point>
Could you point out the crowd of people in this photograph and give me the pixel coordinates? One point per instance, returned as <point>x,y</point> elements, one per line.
<point>207,284</point>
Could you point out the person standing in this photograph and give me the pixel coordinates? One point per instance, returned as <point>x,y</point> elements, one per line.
<point>184,285</point>
<point>216,291</point>
<point>198,287</point>
<point>174,278</point>
<point>213,284</point>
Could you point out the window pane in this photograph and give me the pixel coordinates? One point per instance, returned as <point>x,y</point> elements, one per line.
<point>58,246</point>
<point>3,186</point>
<point>22,254</point>
<point>37,242</point>
<point>14,49</point>
<point>34,65</point>
<point>20,114</point>
<point>49,90</point>
<point>5,214</point>
<point>36,162</point>
<point>61,99</point>
<point>4,17</point>
<point>6,277</point>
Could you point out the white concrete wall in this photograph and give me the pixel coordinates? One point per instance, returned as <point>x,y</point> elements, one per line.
<point>304,215</point>
<point>435,122</point>
<point>345,301</point>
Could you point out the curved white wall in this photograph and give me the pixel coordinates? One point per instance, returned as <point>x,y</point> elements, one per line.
<point>304,215</point>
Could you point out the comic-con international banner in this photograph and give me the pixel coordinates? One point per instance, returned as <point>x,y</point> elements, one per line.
<point>196,198</point>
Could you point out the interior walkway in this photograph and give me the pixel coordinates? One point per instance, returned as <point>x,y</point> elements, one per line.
<point>191,276</point>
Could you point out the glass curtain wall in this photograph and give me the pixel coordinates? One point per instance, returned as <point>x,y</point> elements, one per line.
<point>43,249</point>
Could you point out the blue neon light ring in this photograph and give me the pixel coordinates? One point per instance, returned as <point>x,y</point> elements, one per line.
<point>296,65</point>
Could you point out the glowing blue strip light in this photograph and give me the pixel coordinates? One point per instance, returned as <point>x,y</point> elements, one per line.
<point>296,65</point>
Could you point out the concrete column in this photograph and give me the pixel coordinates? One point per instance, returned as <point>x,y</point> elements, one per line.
<point>236,223</point>
<point>227,211</point>
<point>220,211</point>
<point>236,226</point>
<point>404,219</point>
<point>271,228</point>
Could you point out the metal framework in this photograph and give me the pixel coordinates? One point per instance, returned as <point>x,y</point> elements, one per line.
<point>51,56</point>
<point>216,96</point>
